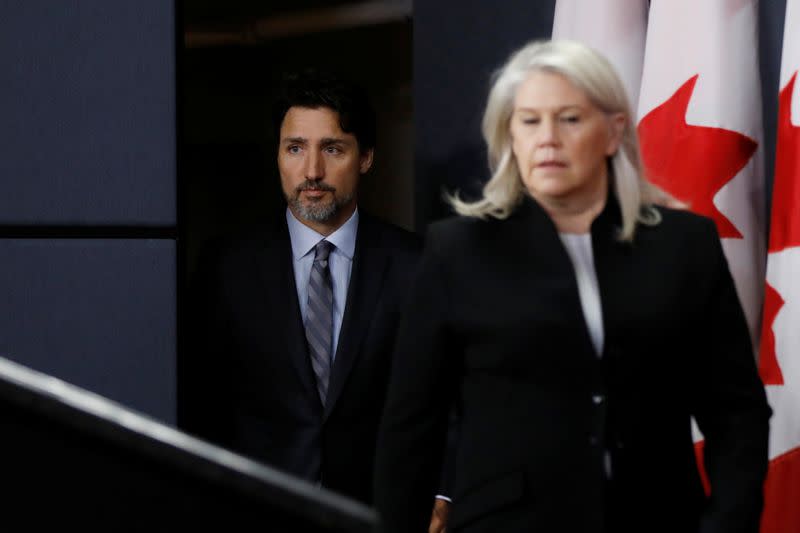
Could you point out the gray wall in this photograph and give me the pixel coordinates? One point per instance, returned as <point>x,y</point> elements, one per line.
<point>88,205</point>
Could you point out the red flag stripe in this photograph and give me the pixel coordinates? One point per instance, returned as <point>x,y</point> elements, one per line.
<point>781,503</point>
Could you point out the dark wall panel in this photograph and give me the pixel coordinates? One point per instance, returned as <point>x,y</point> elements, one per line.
<point>99,313</point>
<point>457,45</point>
<point>88,107</point>
<point>770,44</point>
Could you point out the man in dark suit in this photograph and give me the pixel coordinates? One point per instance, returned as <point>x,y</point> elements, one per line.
<point>297,318</point>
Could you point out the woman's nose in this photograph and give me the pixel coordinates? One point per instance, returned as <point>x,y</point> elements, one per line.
<point>548,132</point>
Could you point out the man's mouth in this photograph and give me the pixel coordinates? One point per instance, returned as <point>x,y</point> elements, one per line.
<point>314,193</point>
<point>315,190</point>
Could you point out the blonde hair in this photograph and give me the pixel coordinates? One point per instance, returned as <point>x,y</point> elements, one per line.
<point>594,75</point>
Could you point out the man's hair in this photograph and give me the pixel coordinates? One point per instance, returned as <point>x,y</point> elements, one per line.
<point>315,89</point>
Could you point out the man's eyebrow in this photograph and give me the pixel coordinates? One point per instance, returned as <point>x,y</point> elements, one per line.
<point>326,141</point>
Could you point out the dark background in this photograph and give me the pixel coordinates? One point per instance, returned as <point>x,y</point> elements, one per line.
<point>228,151</point>
<point>133,131</point>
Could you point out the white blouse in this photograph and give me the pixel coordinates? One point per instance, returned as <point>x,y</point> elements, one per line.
<point>579,248</point>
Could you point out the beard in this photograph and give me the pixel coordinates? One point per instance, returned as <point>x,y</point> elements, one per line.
<point>319,210</point>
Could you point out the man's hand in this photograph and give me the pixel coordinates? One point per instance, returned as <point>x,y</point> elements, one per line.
<point>441,509</point>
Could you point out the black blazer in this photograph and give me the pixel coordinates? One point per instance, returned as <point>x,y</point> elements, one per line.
<point>249,385</point>
<point>496,322</point>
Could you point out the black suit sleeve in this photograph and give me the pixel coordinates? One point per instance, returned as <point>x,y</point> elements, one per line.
<point>411,439</point>
<point>729,404</point>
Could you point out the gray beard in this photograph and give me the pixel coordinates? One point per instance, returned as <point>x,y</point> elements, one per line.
<point>318,211</point>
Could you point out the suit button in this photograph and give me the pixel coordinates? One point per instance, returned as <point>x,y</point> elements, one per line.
<point>597,399</point>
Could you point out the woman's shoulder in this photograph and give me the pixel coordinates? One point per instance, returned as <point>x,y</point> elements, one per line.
<point>681,223</point>
<point>680,233</point>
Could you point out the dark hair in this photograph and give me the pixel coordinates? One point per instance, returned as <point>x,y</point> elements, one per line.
<point>314,89</point>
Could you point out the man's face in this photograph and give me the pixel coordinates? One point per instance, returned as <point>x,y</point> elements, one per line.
<point>319,166</point>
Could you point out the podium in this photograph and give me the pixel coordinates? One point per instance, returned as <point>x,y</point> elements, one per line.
<point>71,459</point>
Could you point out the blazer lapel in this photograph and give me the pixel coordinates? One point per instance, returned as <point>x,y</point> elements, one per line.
<point>610,259</point>
<point>370,262</point>
<point>551,255</point>
<point>275,264</point>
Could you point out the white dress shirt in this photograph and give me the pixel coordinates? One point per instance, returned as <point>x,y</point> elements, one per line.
<point>340,262</point>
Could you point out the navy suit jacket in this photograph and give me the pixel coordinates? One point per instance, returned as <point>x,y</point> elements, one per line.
<point>248,383</point>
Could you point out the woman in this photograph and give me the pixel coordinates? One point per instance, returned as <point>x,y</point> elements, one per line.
<point>579,328</point>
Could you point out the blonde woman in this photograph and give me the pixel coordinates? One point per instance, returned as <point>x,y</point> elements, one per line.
<point>579,327</point>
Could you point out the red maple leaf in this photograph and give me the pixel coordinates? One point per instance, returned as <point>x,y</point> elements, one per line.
<point>785,224</point>
<point>768,367</point>
<point>692,162</point>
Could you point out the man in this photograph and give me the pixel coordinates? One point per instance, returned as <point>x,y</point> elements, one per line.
<point>298,317</point>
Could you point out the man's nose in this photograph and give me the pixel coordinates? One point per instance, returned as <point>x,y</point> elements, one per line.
<point>315,166</point>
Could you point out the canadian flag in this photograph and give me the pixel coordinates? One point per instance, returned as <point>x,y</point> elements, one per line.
<point>615,28</point>
<point>779,361</point>
<point>701,135</point>
<point>701,140</point>
<point>700,126</point>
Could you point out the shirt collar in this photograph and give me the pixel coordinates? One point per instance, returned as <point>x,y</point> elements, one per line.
<point>304,239</point>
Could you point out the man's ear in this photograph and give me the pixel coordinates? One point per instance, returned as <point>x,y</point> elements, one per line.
<point>617,123</point>
<point>365,162</point>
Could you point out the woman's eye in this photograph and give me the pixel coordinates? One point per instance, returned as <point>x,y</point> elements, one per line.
<point>571,119</point>
<point>530,121</point>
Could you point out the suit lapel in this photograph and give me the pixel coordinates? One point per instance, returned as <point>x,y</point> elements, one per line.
<point>275,264</point>
<point>370,262</point>
<point>610,259</point>
<point>551,255</point>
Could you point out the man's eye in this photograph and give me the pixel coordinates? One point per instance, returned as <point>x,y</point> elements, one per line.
<point>293,149</point>
<point>332,150</point>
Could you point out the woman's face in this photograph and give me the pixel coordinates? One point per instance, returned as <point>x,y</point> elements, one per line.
<point>561,140</point>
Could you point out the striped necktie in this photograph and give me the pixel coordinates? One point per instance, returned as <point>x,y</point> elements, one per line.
<point>319,320</point>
